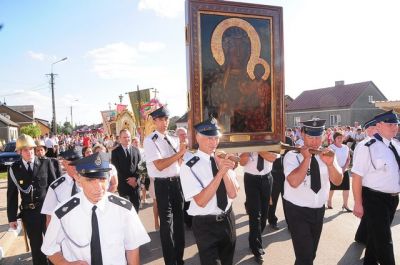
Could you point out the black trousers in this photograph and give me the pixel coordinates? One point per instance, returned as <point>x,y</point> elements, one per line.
<point>133,195</point>
<point>170,202</point>
<point>362,234</point>
<point>258,191</point>
<point>277,189</point>
<point>379,211</point>
<point>305,228</point>
<point>215,239</point>
<point>35,225</point>
<point>187,217</point>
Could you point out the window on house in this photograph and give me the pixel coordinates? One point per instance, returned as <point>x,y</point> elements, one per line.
<point>334,119</point>
<point>296,121</point>
<point>370,99</point>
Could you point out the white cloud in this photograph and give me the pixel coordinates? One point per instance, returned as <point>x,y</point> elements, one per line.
<point>163,8</point>
<point>41,56</point>
<point>36,55</point>
<point>115,60</point>
<point>154,46</point>
<point>124,61</point>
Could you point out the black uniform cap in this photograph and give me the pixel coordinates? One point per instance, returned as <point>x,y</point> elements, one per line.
<point>387,117</point>
<point>314,127</point>
<point>71,155</point>
<point>93,166</point>
<point>160,112</point>
<point>208,127</point>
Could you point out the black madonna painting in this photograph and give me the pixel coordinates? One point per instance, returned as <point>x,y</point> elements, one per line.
<point>235,58</point>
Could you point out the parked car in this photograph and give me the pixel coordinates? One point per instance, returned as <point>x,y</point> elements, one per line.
<point>9,155</point>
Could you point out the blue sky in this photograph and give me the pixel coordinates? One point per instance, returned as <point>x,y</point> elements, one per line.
<point>112,46</point>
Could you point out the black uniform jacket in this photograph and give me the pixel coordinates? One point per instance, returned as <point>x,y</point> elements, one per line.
<point>126,166</point>
<point>43,176</point>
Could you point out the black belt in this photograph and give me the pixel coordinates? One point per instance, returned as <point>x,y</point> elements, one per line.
<point>381,192</point>
<point>30,206</point>
<point>217,217</point>
<point>167,179</point>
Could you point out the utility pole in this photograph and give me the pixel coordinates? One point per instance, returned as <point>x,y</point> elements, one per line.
<point>54,121</point>
<point>54,124</point>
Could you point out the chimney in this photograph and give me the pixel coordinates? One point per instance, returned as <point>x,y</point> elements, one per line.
<point>339,83</point>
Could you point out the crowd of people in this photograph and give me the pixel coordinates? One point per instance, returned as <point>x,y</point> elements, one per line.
<point>81,195</point>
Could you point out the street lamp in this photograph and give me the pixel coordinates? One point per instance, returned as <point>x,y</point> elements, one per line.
<point>54,123</point>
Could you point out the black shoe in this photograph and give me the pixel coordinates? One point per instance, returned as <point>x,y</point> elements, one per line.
<point>274,227</point>
<point>346,209</point>
<point>259,259</point>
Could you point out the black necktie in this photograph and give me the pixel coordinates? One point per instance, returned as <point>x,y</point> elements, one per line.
<point>169,143</point>
<point>95,246</point>
<point>128,154</point>
<point>396,155</point>
<point>74,189</point>
<point>315,175</point>
<point>222,200</point>
<point>30,171</point>
<point>260,163</point>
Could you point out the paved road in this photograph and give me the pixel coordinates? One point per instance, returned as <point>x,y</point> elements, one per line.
<point>336,244</point>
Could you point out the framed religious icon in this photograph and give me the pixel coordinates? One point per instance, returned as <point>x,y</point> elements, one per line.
<point>235,72</point>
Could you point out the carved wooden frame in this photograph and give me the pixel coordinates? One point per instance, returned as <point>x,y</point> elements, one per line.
<point>251,141</point>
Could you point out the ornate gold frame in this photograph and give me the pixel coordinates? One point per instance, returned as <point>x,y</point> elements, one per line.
<point>254,141</point>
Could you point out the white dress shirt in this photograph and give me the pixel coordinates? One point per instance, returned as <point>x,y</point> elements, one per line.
<point>251,166</point>
<point>159,149</point>
<point>60,190</point>
<point>377,165</point>
<point>303,195</point>
<point>32,161</point>
<point>120,230</point>
<point>192,186</point>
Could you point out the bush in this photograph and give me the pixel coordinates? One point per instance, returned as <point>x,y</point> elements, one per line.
<point>31,130</point>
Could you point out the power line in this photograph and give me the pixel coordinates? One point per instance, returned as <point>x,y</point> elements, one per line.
<point>36,88</point>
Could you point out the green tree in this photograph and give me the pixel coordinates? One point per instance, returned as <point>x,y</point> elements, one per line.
<point>67,128</point>
<point>31,130</point>
<point>172,122</point>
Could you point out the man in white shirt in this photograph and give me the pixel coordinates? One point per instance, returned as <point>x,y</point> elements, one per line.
<point>163,153</point>
<point>308,175</point>
<point>64,187</point>
<point>370,130</point>
<point>257,186</point>
<point>94,226</point>
<point>376,185</point>
<point>210,184</point>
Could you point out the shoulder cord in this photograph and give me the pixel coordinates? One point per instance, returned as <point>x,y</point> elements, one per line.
<point>27,190</point>
<point>169,143</point>
<point>154,141</point>
<point>370,156</point>
<point>198,179</point>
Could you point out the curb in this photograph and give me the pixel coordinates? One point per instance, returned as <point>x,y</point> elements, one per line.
<point>8,238</point>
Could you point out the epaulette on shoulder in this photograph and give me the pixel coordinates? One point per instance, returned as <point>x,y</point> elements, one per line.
<point>370,142</point>
<point>67,207</point>
<point>192,161</point>
<point>57,182</point>
<point>155,137</point>
<point>120,202</point>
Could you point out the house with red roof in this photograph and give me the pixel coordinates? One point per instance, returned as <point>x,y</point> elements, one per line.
<point>342,104</point>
